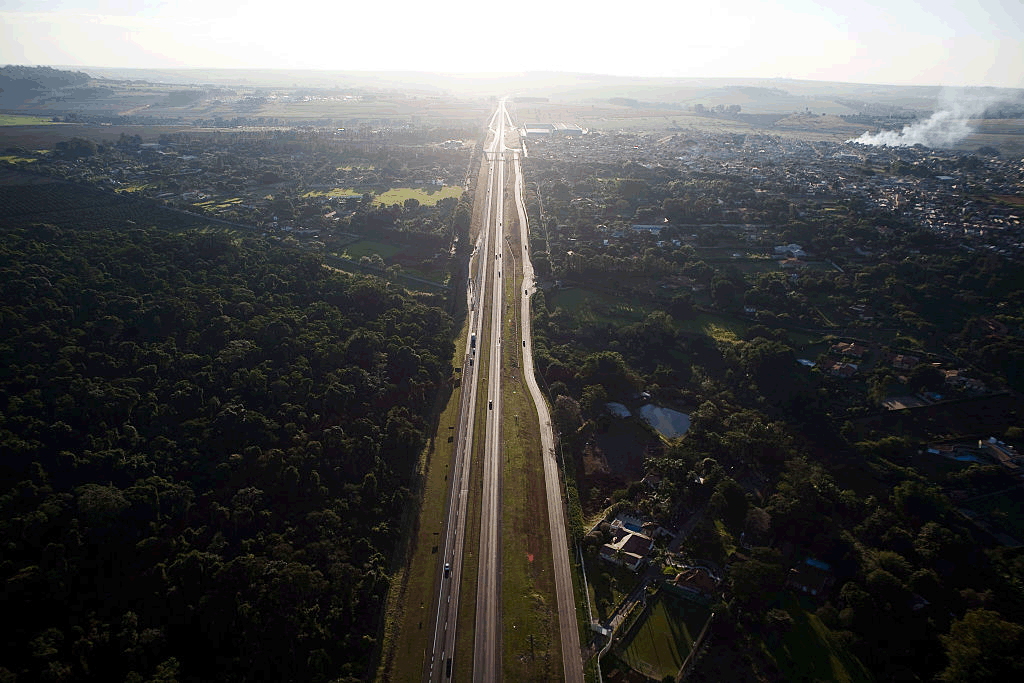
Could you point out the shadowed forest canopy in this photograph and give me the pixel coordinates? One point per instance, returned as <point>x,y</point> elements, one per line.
<point>208,445</point>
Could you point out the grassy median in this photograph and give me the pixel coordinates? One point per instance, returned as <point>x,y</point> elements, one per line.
<point>531,646</point>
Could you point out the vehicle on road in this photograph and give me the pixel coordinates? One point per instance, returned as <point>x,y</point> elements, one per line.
<point>490,405</point>
<point>472,341</point>
<point>447,569</point>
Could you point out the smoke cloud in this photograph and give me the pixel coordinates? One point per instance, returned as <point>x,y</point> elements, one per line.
<point>947,126</point>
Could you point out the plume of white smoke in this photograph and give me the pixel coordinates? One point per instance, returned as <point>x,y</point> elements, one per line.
<point>947,126</point>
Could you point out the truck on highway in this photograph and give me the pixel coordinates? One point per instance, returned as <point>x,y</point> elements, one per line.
<point>472,341</point>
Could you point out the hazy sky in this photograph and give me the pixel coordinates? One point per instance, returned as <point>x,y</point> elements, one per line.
<point>933,42</point>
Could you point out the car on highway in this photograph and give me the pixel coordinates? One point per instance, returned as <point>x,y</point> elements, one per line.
<point>447,569</point>
<point>490,405</point>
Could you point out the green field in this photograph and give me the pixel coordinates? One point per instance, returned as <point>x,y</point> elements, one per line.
<point>15,159</point>
<point>398,195</point>
<point>21,120</point>
<point>334,192</point>
<point>1004,510</point>
<point>139,187</point>
<point>661,643</point>
<point>357,250</point>
<point>587,305</point>
<point>718,327</point>
<point>220,203</point>
<point>810,652</point>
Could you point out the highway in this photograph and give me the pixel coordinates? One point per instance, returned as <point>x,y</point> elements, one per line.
<point>487,644</point>
<point>485,327</point>
<point>450,548</point>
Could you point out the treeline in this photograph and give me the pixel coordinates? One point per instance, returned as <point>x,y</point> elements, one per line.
<point>208,446</point>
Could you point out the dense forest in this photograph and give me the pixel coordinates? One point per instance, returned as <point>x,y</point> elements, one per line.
<point>208,447</point>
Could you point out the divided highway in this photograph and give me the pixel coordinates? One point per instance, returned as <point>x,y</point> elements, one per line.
<point>487,646</point>
<point>486,280</point>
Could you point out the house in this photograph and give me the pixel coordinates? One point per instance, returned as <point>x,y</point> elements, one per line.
<point>694,583</point>
<point>617,409</point>
<point>791,250</point>
<point>1007,456</point>
<point>904,362</point>
<point>791,263</point>
<point>838,369</point>
<point>812,577</point>
<point>652,229</point>
<point>849,349</point>
<point>629,549</point>
<point>653,481</point>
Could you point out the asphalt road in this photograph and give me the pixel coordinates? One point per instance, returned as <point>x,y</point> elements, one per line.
<point>572,657</point>
<point>451,546</point>
<point>487,644</point>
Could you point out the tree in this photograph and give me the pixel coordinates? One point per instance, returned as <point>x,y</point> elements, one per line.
<point>567,416</point>
<point>756,581</point>
<point>681,306</point>
<point>925,377</point>
<point>461,224</point>
<point>983,647</point>
<point>723,293</point>
<point>733,502</point>
<point>594,398</point>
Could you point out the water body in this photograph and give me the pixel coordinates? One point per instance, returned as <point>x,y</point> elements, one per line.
<point>669,423</point>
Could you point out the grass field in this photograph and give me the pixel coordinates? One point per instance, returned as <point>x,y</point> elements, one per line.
<point>357,250</point>
<point>588,306</point>
<point>21,120</point>
<point>15,159</point>
<point>220,203</point>
<point>662,642</point>
<point>398,195</point>
<point>334,192</point>
<point>719,328</point>
<point>809,651</point>
<point>1005,509</point>
<point>133,188</point>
